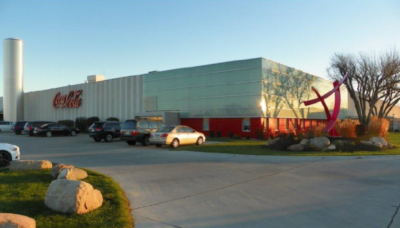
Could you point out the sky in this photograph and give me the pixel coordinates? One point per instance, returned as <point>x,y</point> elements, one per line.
<point>67,40</point>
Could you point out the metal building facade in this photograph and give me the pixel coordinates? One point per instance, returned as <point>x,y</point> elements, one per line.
<point>121,98</point>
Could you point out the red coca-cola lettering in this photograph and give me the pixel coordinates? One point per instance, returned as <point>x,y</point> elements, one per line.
<point>71,100</point>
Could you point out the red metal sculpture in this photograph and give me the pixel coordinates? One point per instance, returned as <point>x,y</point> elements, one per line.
<point>336,108</point>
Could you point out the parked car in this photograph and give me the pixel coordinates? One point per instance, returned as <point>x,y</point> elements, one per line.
<point>18,127</point>
<point>139,131</point>
<point>55,129</point>
<point>5,126</point>
<point>104,130</point>
<point>8,153</point>
<point>176,135</point>
<point>30,126</point>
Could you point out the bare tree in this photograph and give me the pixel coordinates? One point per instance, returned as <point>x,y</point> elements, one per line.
<point>372,80</point>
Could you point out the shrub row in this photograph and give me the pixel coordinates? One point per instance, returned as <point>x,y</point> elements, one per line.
<point>351,128</point>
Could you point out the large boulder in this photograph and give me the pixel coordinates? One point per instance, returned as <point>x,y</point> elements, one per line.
<point>296,147</point>
<point>73,174</point>
<point>8,220</point>
<point>273,141</point>
<point>57,169</point>
<point>377,144</point>
<point>30,165</point>
<point>69,196</point>
<point>331,147</point>
<point>378,140</point>
<point>305,142</point>
<point>319,143</point>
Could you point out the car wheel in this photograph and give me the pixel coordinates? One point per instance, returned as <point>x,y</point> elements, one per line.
<point>49,134</point>
<point>146,141</point>
<point>30,134</point>
<point>17,132</point>
<point>131,142</point>
<point>199,141</point>
<point>108,138</point>
<point>158,145</point>
<point>73,133</point>
<point>97,139</point>
<point>175,143</point>
<point>5,158</point>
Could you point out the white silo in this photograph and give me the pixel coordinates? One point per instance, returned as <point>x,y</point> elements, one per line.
<point>13,79</point>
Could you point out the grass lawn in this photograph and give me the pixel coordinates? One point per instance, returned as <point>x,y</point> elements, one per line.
<point>255,147</point>
<point>23,192</point>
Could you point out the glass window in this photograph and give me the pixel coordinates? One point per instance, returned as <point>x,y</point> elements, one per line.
<point>144,124</point>
<point>129,125</point>
<point>166,129</point>
<point>206,124</point>
<point>153,125</point>
<point>246,124</point>
<point>160,124</point>
<point>181,130</point>
<point>188,129</point>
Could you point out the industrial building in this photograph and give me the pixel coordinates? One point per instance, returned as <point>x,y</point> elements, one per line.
<point>243,97</point>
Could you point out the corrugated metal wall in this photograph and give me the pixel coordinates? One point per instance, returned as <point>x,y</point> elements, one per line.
<point>121,98</point>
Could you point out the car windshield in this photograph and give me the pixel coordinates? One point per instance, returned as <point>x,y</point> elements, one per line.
<point>166,129</point>
<point>129,125</point>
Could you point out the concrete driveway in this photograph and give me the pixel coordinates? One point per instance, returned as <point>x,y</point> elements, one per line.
<point>188,189</point>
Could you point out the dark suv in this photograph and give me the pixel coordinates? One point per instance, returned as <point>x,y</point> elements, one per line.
<point>139,131</point>
<point>30,126</point>
<point>104,130</point>
<point>18,127</point>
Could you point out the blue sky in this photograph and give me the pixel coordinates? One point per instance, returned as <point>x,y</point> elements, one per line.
<point>65,41</point>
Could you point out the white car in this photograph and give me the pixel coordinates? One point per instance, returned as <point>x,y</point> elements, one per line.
<point>175,135</point>
<point>5,126</point>
<point>8,153</point>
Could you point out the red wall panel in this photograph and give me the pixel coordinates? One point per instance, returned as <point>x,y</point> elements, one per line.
<point>282,125</point>
<point>267,126</point>
<point>225,126</point>
<point>196,124</point>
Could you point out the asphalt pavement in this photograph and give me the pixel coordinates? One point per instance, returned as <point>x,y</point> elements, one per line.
<point>169,188</point>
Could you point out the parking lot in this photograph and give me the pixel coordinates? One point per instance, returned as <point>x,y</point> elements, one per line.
<point>169,188</point>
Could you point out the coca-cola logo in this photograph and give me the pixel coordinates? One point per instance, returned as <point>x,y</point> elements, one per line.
<point>71,100</point>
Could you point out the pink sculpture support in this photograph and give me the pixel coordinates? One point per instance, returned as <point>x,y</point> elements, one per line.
<point>331,118</point>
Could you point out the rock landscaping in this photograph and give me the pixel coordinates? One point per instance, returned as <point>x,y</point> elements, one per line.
<point>292,143</point>
<point>57,169</point>
<point>8,220</point>
<point>30,165</point>
<point>72,174</point>
<point>69,196</point>
<point>66,194</point>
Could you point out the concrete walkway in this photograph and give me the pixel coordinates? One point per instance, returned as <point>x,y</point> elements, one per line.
<point>190,189</point>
